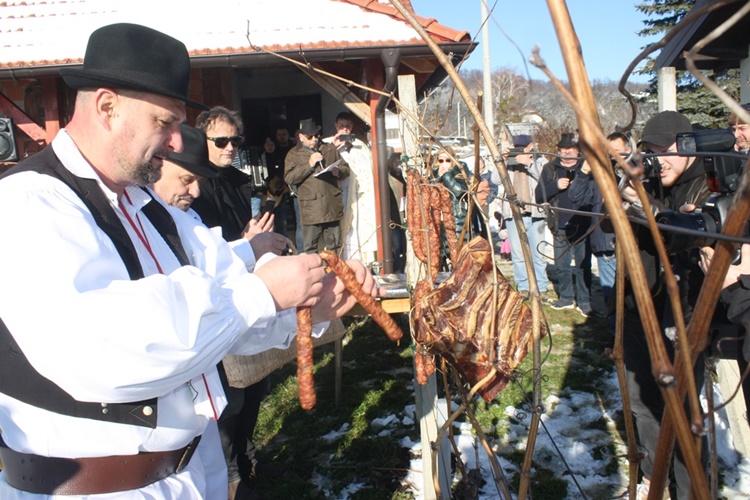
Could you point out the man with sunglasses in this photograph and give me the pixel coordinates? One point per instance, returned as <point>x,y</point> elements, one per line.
<point>225,200</point>
<point>314,169</point>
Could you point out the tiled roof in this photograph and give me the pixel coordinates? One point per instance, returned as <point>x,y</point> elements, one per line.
<point>55,32</point>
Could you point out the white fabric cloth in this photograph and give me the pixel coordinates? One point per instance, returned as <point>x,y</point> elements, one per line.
<point>358,190</point>
<point>67,298</point>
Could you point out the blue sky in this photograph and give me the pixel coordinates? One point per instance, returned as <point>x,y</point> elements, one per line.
<point>606,29</point>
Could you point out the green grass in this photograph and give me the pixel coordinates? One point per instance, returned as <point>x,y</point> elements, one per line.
<point>378,382</point>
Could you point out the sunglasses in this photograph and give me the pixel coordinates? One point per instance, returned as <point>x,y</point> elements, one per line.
<point>221,142</point>
<point>444,160</point>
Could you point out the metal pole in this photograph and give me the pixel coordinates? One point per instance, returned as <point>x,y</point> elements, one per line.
<point>489,112</point>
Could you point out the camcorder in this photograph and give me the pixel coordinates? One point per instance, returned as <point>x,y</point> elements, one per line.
<point>251,164</point>
<point>512,153</point>
<point>722,176</point>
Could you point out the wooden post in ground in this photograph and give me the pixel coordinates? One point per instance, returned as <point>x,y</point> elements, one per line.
<point>425,395</point>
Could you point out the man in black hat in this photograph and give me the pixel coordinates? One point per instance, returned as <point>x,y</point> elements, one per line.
<point>314,168</point>
<point>566,228</point>
<point>179,186</point>
<point>109,342</point>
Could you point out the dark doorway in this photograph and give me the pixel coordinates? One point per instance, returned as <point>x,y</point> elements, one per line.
<point>259,115</point>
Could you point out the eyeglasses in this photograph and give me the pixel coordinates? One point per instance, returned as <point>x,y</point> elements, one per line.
<point>444,160</point>
<point>221,142</point>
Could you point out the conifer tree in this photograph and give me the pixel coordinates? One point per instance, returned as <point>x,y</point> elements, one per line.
<point>693,99</point>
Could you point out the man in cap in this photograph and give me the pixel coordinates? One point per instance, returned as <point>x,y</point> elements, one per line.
<point>567,229</point>
<point>314,169</point>
<point>108,379</point>
<point>524,174</point>
<point>179,186</point>
<point>684,188</point>
<point>741,130</point>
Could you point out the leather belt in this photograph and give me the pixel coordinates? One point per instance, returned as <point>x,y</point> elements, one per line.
<point>91,475</point>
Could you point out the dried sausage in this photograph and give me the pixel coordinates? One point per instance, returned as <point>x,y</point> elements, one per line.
<point>368,303</point>
<point>305,381</point>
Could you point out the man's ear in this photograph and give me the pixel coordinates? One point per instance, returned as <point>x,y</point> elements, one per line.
<point>106,106</point>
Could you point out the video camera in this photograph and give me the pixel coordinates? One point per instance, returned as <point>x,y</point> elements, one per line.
<point>251,164</point>
<point>722,175</point>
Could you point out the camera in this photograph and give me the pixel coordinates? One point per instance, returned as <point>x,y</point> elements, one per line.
<point>512,153</point>
<point>347,137</point>
<point>722,175</point>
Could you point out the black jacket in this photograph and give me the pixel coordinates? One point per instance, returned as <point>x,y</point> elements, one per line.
<point>225,202</point>
<point>585,195</point>
<point>547,191</point>
<point>690,188</point>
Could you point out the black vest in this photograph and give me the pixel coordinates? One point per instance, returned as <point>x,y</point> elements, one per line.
<point>18,379</point>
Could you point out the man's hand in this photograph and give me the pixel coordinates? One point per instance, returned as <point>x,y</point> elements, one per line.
<point>586,168</point>
<point>314,159</point>
<point>294,281</point>
<point>734,272</point>
<point>267,242</point>
<point>335,300</point>
<point>563,183</point>
<point>257,225</point>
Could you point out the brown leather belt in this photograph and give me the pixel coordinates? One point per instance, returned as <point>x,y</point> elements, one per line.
<point>91,475</point>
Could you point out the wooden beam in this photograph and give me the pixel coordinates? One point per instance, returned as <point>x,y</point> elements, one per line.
<point>22,121</point>
<point>420,64</point>
<point>342,94</point>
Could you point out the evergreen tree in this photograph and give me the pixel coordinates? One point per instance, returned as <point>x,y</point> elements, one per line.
<point>693,99</point>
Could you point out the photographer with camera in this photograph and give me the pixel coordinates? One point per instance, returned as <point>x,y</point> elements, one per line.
<point>524,174</point>
<point>684,188</point>
<point>567,229</point>
<point>584,192</point>
<point>357,192</point>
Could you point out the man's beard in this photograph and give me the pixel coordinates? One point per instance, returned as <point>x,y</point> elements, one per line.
<point>144,174</point>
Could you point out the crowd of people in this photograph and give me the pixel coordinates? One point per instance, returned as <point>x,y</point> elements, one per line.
<point>179,259</point>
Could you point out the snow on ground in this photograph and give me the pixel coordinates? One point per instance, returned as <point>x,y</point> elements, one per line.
<point>573,421</point>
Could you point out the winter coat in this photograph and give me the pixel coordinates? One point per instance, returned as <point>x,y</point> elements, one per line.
<point>534,173</point>
<point>319,197</point>
<point>456,180</point>
<point>547,191</point>
<point>584,193</point>
<point>225,202</point>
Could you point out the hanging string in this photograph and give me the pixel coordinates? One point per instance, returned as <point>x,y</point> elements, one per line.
<point>140,232</point>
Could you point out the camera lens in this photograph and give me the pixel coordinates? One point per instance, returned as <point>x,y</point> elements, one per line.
<point>677,240</point>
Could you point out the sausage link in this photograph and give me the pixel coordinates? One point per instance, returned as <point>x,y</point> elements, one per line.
<point>305,381</point>
<point>368,303</point>
<point>413,216</point>
<point>449,223</point>
<point>419,365</point>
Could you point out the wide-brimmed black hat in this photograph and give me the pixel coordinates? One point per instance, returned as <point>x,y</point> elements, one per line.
<point>194,154</point>
<point>662,129</point>
<point>134,57</point>
<point>308,127</point>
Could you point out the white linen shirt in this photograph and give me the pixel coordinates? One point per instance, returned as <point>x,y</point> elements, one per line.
<point>69,302</point>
